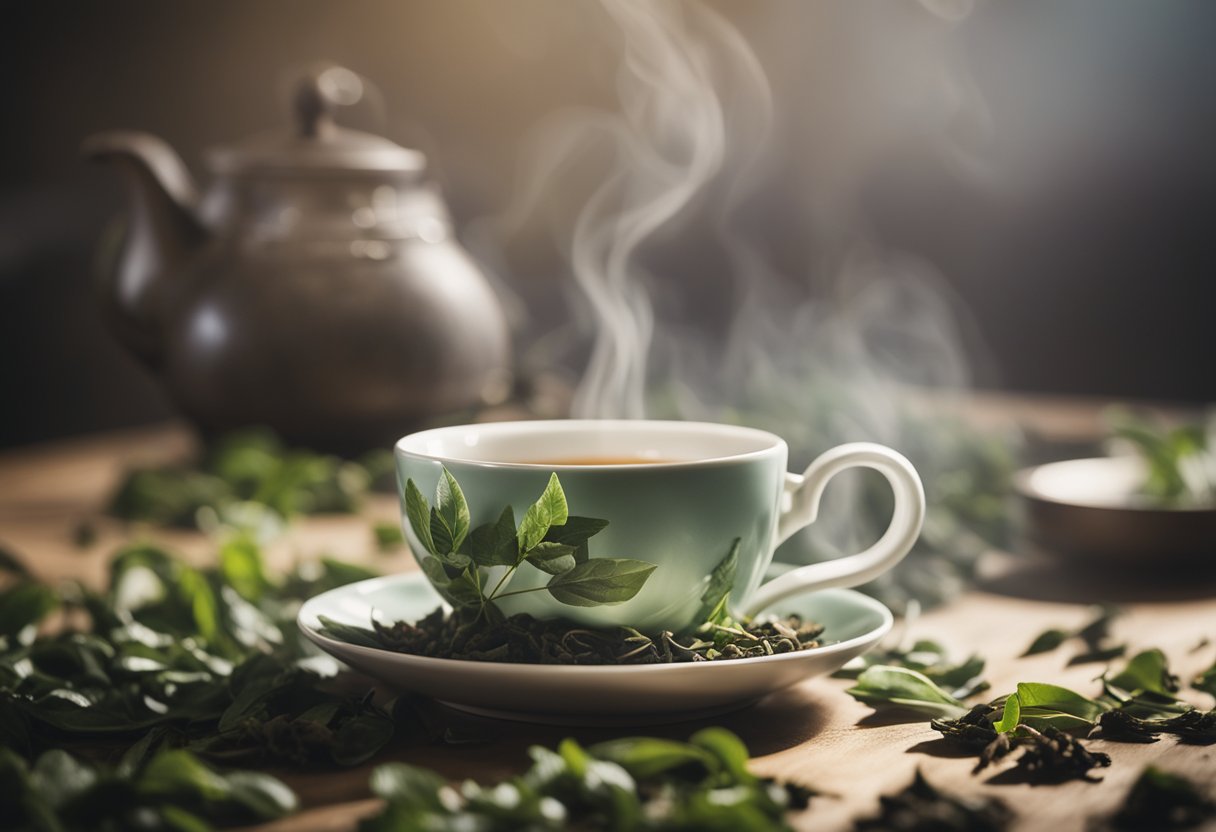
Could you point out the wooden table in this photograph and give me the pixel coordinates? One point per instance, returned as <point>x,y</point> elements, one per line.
<point>813,733</point>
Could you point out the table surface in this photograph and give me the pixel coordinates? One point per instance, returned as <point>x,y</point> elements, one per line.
<point>812,733</point>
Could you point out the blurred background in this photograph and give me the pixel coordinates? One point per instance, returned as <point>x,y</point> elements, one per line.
<point>1043,174</point>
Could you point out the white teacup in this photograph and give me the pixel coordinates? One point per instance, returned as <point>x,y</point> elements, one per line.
<point>685,493</point>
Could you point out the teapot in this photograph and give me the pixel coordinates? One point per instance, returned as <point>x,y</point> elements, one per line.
<point>315,287</point>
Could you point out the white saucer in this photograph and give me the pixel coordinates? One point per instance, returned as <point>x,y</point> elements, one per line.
<point>589,695</point>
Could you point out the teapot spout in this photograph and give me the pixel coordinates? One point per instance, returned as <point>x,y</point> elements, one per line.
<point>163,230</point>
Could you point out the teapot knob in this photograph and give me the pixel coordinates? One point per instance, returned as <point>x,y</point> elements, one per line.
<point>320,93</point>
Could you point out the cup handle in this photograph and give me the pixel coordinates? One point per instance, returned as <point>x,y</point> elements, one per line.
<point>800,506</point>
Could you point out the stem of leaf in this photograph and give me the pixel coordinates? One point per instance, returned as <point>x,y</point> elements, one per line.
<point>520,591</point>
<point>501,581</point>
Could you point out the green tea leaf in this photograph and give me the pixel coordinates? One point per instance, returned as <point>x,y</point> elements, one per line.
<point>464,590</point>
<point>576,530</point>
<point>1147,671</point>
<point>24,605</point>
<point>402,783</point>
<point>241,566</point>
<point>348,633</point>
<point>178,773</point>
<point>419,514</point>
<point>1011,716</point>
<point>549,510</point>
<point>647,757</point>
<point>450,517</point>
<point>1043,704</point>
<point>495,544</point>
<point>433,567</point>
<point>729,750</point>
<point>903,688</point>
<point>554,558</point>
<point>600,581</point>
<point>721,582</point>
<point>264,796</point>
<point>1046,641</point>
<point>1206,681</point>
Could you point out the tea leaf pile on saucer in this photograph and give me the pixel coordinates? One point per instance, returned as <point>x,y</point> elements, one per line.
<point>472,569</point>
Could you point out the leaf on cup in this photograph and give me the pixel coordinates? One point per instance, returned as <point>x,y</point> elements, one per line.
<point>419,514</point>
<point>600,581</point>
<point>554,558</point>
<point>494,544</point>
<point>450,516</point>
<point>717,590</point>
<point>575,531</point>
<point>549,510</point>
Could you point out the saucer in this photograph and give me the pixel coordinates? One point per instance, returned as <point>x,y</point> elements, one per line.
<point>582,694</point>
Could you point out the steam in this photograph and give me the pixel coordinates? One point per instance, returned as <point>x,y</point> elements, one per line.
<point>685,147</point>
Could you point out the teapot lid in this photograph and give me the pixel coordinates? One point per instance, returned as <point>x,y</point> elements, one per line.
<point>319,144</point>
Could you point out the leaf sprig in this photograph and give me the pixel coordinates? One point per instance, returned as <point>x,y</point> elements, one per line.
<point>458,561</point>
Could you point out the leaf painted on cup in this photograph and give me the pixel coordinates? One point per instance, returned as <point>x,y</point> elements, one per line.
<point>717,590</point>
<point>554,558</point>
<point>600,581</point>
<point>495,544</point>
<point>418,511</point>
<point>576,530</point>
<point>450,516</point>
<point>550,510</point>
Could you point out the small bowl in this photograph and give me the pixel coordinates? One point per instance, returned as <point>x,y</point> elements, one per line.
<point>1090,509</point>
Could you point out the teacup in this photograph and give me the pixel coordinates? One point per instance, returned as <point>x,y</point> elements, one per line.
<point>679,495</point>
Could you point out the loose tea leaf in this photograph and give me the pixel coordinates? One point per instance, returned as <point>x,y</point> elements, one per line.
<point>905,689</point>
<point>173,789</point>
<point>640,783</point>
<point>929,658</point>
<point>174,656</point>
<point>524,639</point>
<point>922,807</point>
<point>1095,634</point>
<point>1051,756</point>
<point>247,466</point>
<point>1206,681</point>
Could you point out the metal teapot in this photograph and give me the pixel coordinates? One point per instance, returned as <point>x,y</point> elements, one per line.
<point>315,287</point>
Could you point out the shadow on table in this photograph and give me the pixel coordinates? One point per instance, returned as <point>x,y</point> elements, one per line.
<point>781,720</point>
<point>1041,577</point>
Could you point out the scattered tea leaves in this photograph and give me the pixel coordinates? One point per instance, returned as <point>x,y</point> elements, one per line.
<point>640,783</point>
<point>929,658</point>
<point>1094,634</point>
<point>247,466</point>
<point>904,689</point>
<point>172,789</point>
